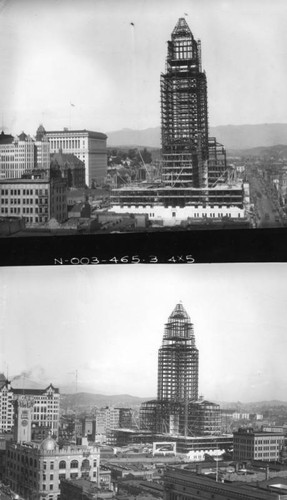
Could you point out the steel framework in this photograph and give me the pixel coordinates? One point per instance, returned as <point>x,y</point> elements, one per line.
<point>184,115</point>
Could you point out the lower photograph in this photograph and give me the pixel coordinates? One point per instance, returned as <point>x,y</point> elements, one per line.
<point>143,382</point>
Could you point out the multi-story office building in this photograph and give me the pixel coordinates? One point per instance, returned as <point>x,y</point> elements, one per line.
<point>16,155</point>
<point>110,418</point>
<point>90,147</point>
<point>37,198</point>
<point>196,182</point>
<point>42,146</point>
<point>45,406</point>
<point>6,406</point>
<point>177,409</point>
<point>34,470</point>
<point>22,153</point>
<point>257,445</point>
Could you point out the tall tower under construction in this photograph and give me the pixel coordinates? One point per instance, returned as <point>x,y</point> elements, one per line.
<point>177,409</point>
<point>178,359</point>
<point>194,185</point>
<point>184,118</point>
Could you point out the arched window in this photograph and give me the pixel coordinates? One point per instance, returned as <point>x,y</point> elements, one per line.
<point>85,464</point>
<point>62,464</point>
<point>74,464</point>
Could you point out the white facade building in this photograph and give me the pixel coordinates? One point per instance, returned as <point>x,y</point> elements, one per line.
<point>45,411</point>
<point>21,154</point>
<point>172,216</point>
<point>90,147</point>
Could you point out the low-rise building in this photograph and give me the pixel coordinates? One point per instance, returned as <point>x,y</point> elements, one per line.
<point>80,210</point>
<point>82,489</point>
<point>124,437</point>
<point>183,484</point>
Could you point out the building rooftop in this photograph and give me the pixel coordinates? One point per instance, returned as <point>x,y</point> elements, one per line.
<point>6,138</point>
<point>251,432</point>
<point>161,188</point>
<point>90,133</point>
<point>248,491</point>
<point>35,392</point>
<point>62,159</point>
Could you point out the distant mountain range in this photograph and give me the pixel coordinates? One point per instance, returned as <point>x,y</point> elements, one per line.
<point>235,137</point>
<point>86,399</point>
<point>251,406</point>
<point>278,152</point>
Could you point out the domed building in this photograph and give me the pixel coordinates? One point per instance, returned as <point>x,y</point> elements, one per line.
<point>48,444</point>
<point>45,464</point>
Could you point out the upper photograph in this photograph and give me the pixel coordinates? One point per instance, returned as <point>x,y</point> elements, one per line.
<point>122,116</point>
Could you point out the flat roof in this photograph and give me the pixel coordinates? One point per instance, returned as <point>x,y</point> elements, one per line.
<point>258,433</point>
<point>246,490</point>
<point>95,135</point>
<point>156,187</point>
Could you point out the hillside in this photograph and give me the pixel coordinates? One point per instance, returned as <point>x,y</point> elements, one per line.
<point>277,152</point>
<point>86,399</point>
<point>235,137</point>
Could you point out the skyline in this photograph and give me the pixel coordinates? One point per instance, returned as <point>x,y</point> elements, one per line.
<point>107,323</point>
<point>105,59</point>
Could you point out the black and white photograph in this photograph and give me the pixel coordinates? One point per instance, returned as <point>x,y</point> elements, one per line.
<point>122,116</point>
<point>138,381</point>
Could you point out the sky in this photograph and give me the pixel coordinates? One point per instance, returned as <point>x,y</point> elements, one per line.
<point>54,53</point>
<point>107,324</point>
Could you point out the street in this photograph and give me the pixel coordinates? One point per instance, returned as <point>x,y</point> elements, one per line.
<point>266,207</point>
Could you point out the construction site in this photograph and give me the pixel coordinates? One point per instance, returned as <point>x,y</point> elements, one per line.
<point>178,411</point>
<point>195,181</point>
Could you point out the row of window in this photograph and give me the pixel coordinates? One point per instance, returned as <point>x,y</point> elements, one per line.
<point>260,455</point>
<point>24,201</point>
<point>65,144</point>
<point>75,464</point>
<point>24,210</point>
<point>18,192</point>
